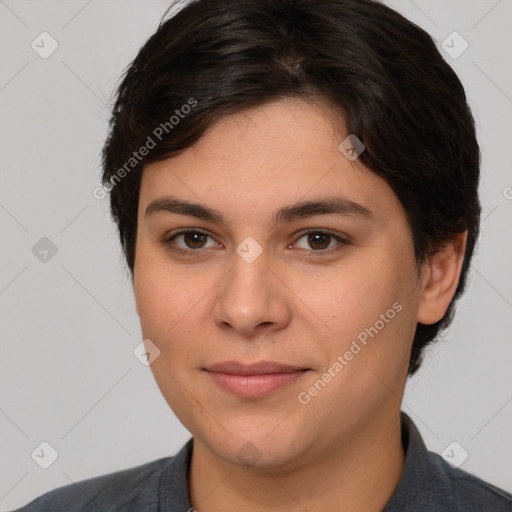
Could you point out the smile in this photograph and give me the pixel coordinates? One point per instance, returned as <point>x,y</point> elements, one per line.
<point>255,380</point>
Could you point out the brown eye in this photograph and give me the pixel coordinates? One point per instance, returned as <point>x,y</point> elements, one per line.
<point>319,241</point>
<point>194,239</point>
<point>189,241</point>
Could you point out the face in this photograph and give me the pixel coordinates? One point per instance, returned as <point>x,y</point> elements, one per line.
<point>284,303</point>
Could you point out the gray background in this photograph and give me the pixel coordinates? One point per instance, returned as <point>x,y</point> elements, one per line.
<point>68,325</point>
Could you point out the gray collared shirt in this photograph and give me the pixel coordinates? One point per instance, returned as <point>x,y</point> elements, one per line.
<point>428,483</point>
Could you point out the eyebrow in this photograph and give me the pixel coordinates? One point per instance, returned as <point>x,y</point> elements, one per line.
<point>297,211</point>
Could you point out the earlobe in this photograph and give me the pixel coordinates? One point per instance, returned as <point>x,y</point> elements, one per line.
<point>441,277</point>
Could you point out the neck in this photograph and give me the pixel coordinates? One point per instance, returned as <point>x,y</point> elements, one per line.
<point>359,473</point>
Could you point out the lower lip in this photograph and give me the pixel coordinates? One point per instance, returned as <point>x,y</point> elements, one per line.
<point>254,386</point>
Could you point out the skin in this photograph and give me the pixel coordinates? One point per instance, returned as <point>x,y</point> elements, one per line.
<point>301,302</point>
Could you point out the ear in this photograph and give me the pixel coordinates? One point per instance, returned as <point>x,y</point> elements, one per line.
<point>440,279</point>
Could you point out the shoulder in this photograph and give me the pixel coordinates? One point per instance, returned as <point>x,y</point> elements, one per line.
<point>470,493</point>
<point>130,489</point>
<point>429,483</point>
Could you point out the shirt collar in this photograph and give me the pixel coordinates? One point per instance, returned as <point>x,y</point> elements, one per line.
<point>422,476</point>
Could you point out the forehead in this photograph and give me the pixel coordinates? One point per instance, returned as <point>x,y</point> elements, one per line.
<point>260,159</point>
<point>288,131</point>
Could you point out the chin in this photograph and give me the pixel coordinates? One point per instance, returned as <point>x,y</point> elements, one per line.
<point>260,447</point>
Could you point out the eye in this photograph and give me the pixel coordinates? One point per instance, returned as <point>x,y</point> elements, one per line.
<point>192,242</point>
<point>188,241</point>
<point>320,241</point>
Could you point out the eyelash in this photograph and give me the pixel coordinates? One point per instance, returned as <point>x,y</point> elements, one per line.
<point>166,242</point>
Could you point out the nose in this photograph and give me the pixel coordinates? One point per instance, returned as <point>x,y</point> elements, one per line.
<point>251,299</point>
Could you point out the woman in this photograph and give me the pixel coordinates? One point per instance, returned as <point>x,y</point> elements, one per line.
<point>295,184</point>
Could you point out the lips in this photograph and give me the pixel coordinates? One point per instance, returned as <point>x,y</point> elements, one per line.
<point>255,380</point>
<point>259,368</point>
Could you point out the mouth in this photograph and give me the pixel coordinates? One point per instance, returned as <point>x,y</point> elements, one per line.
<point>255,380</point>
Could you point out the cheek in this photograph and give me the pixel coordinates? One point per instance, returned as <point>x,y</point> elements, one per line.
<point>370,308</point>
<point>171,305</point>
<point>355,295</point>
<point>160,310</point>
<point>158,304</point>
